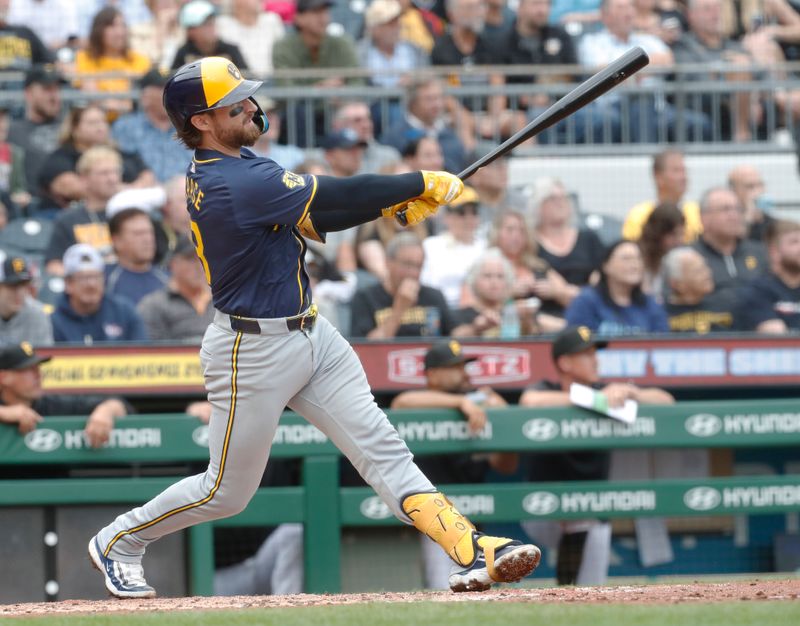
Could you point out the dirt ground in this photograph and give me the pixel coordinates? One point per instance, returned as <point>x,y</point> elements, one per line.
<point>643,594</point>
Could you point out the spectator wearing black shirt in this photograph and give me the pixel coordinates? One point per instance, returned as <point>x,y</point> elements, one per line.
<point>748,185</point>
<point>689,298</point>
<point>584,545</point>
<point>24,403</point>
<point>734,260</point>
<point>20,47</point>
<point>198,17</point>
<point>400,306</point>
<point>771,302</point>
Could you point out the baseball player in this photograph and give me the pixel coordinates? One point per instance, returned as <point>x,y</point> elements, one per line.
<point>267,347</point>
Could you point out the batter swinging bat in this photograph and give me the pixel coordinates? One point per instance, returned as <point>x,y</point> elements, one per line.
<point>591,89</point>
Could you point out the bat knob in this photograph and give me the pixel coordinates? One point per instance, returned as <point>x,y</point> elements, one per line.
<point>400,216</point>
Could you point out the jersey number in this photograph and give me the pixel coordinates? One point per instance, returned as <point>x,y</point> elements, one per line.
<point>198,244</point>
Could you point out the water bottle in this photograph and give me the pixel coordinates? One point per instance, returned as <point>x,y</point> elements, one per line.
<point>509,321</point>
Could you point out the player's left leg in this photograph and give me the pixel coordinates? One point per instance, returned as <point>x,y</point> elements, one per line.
<point>339,402</point>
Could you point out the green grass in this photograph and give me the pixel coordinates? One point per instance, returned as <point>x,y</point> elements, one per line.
<point>458,614</point>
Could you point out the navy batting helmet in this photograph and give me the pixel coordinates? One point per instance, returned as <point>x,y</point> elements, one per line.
<point>207,84</point>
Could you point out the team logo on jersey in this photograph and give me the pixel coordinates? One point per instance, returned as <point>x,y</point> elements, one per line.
<point>751,262</point>
<point>234,71</point>
<point>552,46</point>
<point>292,180</point>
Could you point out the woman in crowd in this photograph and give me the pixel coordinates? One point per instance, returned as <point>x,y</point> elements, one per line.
<point>84,128</point>
<point>663,231</point>
<point>574,253</point>
<point>108,52</point>
<point>534,277</point>
<point>616,305</point>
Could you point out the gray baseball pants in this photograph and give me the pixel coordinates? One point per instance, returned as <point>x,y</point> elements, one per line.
<point>250,379</point>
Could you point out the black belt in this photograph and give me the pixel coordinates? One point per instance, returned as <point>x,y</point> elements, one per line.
<point>298,322</point>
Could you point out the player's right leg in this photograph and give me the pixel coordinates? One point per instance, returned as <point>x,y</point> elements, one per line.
<point>249,380</point>
<point>338,400</point>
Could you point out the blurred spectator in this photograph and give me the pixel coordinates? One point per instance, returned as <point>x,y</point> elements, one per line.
<point>100,173</point>
<point>23,401</point>
<point>175,221</point>
<point>583,546</point>
<point>198,17</point>
<point>491,183</point>
<point>770,303</point>
<point>425,115</point>
<point>55,22</point>
<point>746,182</point>
<point>134,11</point>
<point>630,117</point>
<point>356,116</point>
<point>148,132</point>
<point>448,386</point>
<point>22,318</point>
<point>423,153</point>
<point>23,48</point>
<point>400,306</point>
<point>288,156</point>
<point>499,17</point>
<point>12,166</point>
<point>688,295</point>
<point>108,52</point>
<point>727,61</point>
<point>183,309</point>
<point>465,44</point>
<point>781,22</point>
<point>579,15</point>
<point>617,305</point>
<point>670,180</point>
<point>666,24</point>
<point>663,231</point>
<point>390,60</point>
<point>85,313</point>
<point>160,37</point>
<point>255,32</point>
<point>419,25</point>
<point>37,132</point>
<point>575,254</point>
<point>311,46</point>
<point>734,260</point>
<point>533,277</point>
<point>490,282</point>
<point>84,128</point>
<point>449,255</point>
<point>343,151</point>
<point>133,238</point>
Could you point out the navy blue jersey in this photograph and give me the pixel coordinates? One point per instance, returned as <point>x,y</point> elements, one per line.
<point>244,214</point>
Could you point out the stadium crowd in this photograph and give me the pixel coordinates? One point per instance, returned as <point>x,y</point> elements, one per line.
<point>96,241</point>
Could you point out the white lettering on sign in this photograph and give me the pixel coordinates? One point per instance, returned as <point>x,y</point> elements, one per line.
<point>688,362</point>
<point>773,495</point>
<point>494,365</point>
<point>441,431</point>
<point>479,504</point>
<point>298,434</point>
<point>606,501</point>
<point>596,428</point>
<point>762,424</point>
<point>764,362</point>
<point>119,438</point>
<point>622,363</point>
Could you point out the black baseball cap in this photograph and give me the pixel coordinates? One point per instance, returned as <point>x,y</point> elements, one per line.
<point>184,247</point>
<point>153,78</point>
<point>446,354</point>
<point>344,138</point>
<point>310,5</point>
<point>20,357</point>
<point>15,271</point>
<point>45,75</point>
<point>574,339</point>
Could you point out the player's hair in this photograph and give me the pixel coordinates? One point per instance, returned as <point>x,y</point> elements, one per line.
<point>777,229</point>
<point>95,155</point>
<point>116,223</point>
<point>190,136</point>
<point>400,241</point>
<point>660,159</point>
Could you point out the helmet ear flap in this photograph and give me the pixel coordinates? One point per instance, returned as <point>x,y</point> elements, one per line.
<point>259,117</point>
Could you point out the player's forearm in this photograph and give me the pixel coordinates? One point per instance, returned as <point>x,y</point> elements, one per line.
<point>365,193</point>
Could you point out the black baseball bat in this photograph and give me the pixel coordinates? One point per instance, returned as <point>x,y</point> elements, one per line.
<point>591,89</point>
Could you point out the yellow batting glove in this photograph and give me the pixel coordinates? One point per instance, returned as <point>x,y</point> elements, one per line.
<point>420,209</point>
<point>441,187</point>
<point>390,211</point>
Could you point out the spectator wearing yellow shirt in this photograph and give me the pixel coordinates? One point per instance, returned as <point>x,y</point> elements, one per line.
<point>669,176</point>
<point>108,52</point>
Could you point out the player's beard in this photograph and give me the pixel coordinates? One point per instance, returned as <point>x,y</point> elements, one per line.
<point>245,135</point>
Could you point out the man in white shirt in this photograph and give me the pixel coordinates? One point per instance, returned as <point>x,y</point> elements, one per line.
<point>254,31</point>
